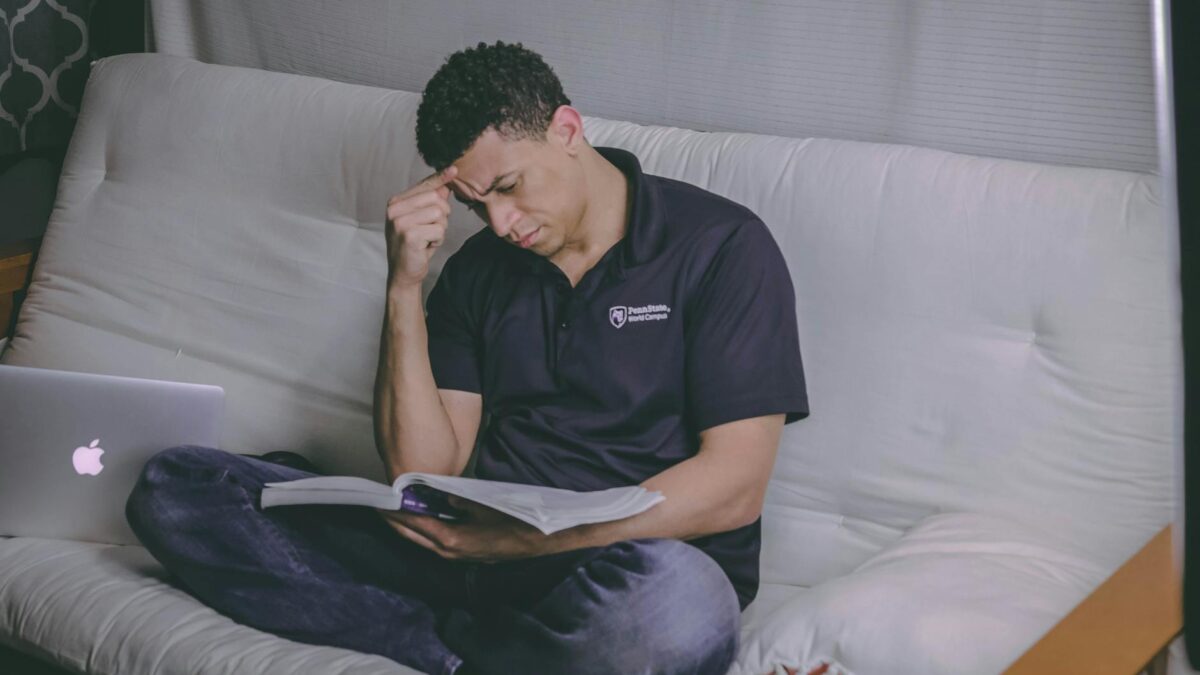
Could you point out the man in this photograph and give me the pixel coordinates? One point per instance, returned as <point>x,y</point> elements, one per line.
<point>619,328</point>
<point>538,317</point>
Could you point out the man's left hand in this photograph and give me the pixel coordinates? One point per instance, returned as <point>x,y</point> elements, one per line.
<point>484,535</point>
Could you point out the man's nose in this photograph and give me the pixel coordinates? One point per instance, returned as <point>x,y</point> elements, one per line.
<point>502,217</point>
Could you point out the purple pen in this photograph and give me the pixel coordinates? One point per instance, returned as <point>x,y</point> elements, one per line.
<point>426,501</point>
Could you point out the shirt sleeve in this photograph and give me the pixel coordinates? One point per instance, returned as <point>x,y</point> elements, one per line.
<point>453,343</point>
<point>742,340</point>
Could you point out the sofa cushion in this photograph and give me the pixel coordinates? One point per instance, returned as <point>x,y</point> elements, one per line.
<point>959,593</point>
<point>112,610</point>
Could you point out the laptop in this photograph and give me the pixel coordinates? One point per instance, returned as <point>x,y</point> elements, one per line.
<point>72,445</point>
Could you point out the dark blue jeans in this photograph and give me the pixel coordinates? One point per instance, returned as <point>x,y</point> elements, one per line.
<point>339,575</point>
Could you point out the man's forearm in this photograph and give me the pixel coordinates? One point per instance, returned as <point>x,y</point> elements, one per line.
<point>412,430</point>
<point>704,495</point>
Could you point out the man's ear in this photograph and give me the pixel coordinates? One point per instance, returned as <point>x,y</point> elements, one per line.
<point>566,127</point>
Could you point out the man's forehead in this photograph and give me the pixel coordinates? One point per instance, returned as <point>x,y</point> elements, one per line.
<point>487,161</point>
<point>478,180</point>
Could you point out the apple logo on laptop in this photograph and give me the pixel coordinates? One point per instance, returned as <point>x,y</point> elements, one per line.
<point>87,459</point>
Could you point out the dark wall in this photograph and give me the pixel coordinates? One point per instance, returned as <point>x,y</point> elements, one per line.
<point>34,133</point>
<point>39,45</point>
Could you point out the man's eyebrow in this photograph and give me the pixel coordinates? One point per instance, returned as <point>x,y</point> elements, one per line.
<point>495,183</point>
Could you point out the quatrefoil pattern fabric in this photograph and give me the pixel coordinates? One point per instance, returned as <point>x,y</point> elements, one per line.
<point>44,64</point>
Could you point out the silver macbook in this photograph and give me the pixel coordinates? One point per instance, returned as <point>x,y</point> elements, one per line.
<point>73,444</point>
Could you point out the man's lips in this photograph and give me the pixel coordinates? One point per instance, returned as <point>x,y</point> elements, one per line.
<point>527,241</point>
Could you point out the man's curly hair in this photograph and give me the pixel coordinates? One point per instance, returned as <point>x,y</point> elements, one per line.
<point>504,86</point>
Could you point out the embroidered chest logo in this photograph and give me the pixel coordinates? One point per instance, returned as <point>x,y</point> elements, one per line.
<point>620,315</point>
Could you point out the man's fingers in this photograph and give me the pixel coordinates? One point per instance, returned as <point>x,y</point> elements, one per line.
<point>431,214</point>
<point>446,175</point>
<point>421,539</point>
<point>425,236</point>
<point>401,525</point>
<point>429,183</point>
<point>419,210</point>
<point>437,179</point>
<point>427,526</point>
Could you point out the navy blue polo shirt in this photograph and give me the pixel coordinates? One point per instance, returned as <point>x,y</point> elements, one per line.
<point>685,323</point>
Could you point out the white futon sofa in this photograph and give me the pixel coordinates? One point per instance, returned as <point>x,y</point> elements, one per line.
<point>991,350</point>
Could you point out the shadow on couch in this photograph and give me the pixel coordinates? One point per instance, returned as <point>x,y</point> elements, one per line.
<point>13,661</point>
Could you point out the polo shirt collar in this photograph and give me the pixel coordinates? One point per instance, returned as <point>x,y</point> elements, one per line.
<point>645,232</point>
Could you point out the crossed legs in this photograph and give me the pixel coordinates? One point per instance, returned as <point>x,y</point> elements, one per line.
<point>338,575</point>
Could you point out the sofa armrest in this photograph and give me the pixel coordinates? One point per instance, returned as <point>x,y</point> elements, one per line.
<point>16,264</point>
<point>1122,626</point>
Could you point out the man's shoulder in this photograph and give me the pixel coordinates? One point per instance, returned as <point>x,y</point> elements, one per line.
<point>701,217</point>
<point>687,201</point>
<point>703,228</point>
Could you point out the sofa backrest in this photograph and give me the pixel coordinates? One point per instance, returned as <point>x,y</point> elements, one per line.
<point>978,335</point>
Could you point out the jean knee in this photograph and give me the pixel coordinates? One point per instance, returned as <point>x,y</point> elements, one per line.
<point>166,468</point>
<point>695,621</point>
<point>680,572</point>
<point>183,462</point>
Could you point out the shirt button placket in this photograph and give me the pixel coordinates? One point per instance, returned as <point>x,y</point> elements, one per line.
<point>567,302</point>
<point>469,582</point>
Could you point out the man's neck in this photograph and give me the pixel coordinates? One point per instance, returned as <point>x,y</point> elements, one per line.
<point>605,220</point>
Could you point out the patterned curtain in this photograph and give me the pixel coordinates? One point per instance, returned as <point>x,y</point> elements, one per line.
<point>44,63</point>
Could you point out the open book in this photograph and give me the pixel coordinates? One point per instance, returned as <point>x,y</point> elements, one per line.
<point>546,508</point>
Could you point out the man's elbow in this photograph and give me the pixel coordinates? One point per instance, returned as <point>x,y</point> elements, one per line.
<point>750,511</point>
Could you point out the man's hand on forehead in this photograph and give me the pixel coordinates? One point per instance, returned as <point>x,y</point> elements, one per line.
<point>459,193</point>
<point>459,189</point>
<point>444,178</point>
<point>416,222</point>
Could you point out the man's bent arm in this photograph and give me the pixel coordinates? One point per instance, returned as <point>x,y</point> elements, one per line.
<point>413,431</point>
<point>720,489</point>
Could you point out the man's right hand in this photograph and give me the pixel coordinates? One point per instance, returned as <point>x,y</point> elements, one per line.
<point>416,226</point>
